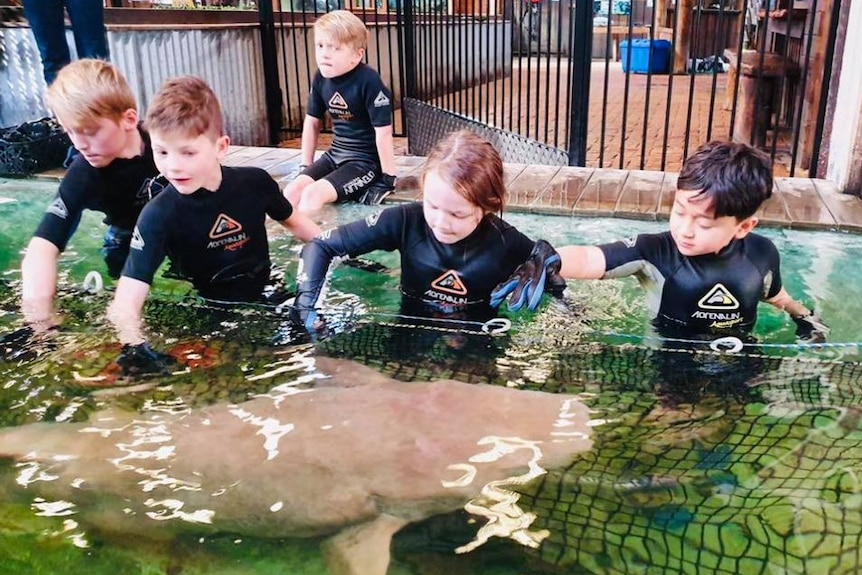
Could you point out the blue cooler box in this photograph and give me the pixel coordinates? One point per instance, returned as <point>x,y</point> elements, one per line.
<point>640,56</point>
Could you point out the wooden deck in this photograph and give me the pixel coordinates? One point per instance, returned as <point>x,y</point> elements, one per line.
<point>800,203</point>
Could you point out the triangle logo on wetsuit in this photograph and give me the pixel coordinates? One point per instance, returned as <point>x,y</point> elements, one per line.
<point>58,208</point>
<point>224,226</point>
<point>450,282</point>
<point>337,101</point>
<point>381,100</point>
<point>137,241</point>
<point>719,298</point>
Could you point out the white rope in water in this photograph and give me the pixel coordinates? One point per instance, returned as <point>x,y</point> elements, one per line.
<point>734,343</point>
<point>93,283</point>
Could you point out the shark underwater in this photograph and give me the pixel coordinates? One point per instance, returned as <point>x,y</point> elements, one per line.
<point>354,458</point>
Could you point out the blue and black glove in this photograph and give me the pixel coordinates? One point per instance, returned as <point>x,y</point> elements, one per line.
<point>539,274</point>
<point>810,329</point>
<point>378,190</point>
<point>303,311</point>
<point>141,359</point>
<point>309,285</point>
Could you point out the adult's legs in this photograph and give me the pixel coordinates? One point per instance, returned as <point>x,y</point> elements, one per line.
<point>88,26</point>
<point>49,29</point>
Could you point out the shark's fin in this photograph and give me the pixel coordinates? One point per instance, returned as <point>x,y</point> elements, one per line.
<point>362,549</point>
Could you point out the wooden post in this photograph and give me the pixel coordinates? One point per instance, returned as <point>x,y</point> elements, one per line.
<point>683,32</point>
<point>660,11</point>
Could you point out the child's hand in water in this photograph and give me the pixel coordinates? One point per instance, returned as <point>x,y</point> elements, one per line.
<point>140,359</point>
<point>304,313</point>
<point>540,273</point>
<point>810,329</point>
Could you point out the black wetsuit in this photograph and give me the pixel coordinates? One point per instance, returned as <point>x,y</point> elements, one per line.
<point>708,294</point>
<point>216,239</point>
<point>436,278</point>
<point>358,102</point>
<point>119,190</point>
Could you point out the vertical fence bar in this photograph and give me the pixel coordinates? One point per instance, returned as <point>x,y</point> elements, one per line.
<point>581,51</point>
<point>270,71</point>
<point>508,125</point>
<point>606,84</point>
<point>408,49</point>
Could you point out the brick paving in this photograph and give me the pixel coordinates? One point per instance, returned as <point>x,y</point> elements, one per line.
<point>632,124</point>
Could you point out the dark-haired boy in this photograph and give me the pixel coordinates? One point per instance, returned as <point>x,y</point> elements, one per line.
<point>706,275</point>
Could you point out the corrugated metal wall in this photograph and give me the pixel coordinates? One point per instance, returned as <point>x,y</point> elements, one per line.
<point>228,59</point>
<point>21,83</point>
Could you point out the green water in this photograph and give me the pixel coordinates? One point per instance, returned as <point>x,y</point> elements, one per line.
<point>753,467</point>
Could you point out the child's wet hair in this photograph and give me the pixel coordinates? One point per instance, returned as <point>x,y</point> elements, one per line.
<point>736,178</point>
<point>87,91</point>
<point>185,105</point>
<point>344,27</point>
<point>471,165</point>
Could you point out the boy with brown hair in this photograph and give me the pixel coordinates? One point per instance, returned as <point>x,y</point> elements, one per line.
<point>114,174</point>
<point>210,219</point>
<point>360,163</point>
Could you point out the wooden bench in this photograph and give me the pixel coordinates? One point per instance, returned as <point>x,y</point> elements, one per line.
<point>618,34</point>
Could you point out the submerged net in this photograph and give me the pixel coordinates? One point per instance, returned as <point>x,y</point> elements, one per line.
<point>703,461</point>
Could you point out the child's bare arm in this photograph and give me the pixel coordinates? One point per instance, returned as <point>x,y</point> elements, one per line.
<point>809,327</point>
<point>385,149</point>
<point>784,301</point>
<point>39,282</point>
<point>582,262</point>
<point>310,134</point>
<point>301,226</point>
<point>125,312</point>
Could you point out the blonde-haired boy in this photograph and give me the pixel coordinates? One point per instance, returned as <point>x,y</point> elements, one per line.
<point>360,163</point>
<point>210,219</point>
<point>113,173</point>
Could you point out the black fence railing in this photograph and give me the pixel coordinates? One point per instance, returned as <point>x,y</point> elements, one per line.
<point>617,86</point>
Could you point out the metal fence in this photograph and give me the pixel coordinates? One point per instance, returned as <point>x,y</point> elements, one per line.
<point>611,85</point>
<point>622,87</point>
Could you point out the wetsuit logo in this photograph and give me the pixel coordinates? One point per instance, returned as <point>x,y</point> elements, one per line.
<point>137,241</point>
<point>339,109</point>
<point>381,100</point>
<point>371,219</point>
<point>721,304</point>
<point>227,232</point>
<point>150,189</point>
<point>718,298</point>
<point>358,183</point>
<point>450,283</point>
<point>224,226</point>
<point>337,101</point>
<point>58,208</point>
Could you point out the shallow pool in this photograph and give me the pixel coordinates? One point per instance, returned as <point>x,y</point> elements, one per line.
<point>248,460</point>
